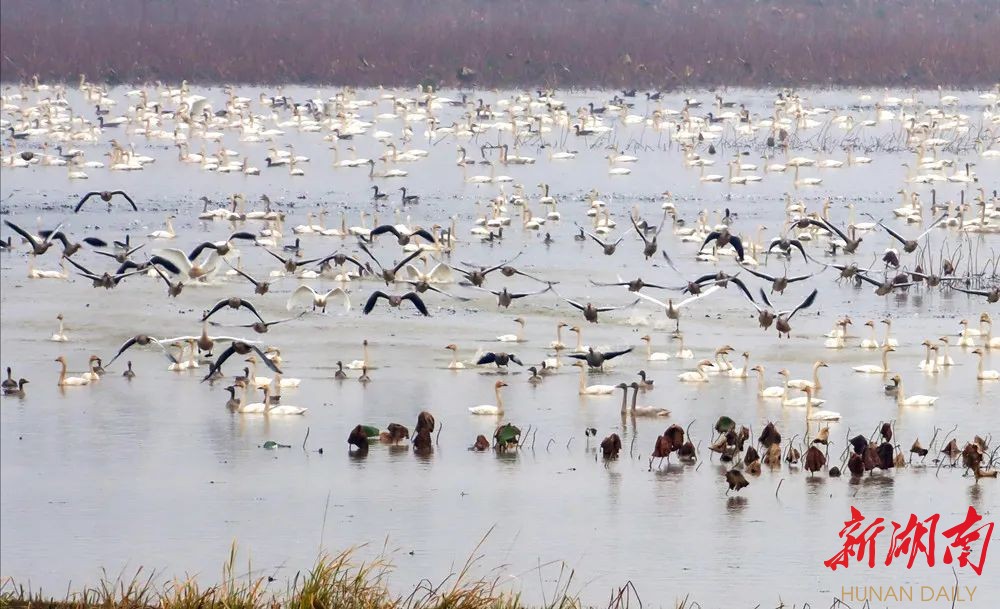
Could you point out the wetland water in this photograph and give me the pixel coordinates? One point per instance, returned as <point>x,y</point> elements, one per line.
<point>156,472</point>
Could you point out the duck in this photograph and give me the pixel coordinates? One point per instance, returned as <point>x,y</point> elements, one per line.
<point>591,389</point>
<point>913,400</point>
<point>68,381</point>
<point>489,409</point>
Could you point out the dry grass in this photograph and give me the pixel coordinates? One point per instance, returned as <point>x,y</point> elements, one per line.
<point>607,43</point>
<point>340,581</point>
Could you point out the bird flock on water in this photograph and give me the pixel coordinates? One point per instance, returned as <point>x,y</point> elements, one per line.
<point>418,269</point>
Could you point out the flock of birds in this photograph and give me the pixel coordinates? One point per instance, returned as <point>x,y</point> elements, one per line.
<point>417,267</point>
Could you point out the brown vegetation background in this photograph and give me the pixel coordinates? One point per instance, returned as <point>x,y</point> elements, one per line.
<point>584,43</point>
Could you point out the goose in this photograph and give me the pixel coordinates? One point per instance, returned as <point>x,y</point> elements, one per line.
<point>817,415</point>
<point>167,233</point>
<point>340,374</point>
<point>514,338</point>
<point>652,356</point>
<point>68,381</point>
<point>640,411</point>
<point>491,410</point>
<point>696,376</point>
<point>913,400</point>
<point>60,335</point>
<point>591,389</point>
<point>982,375</point>
<point>365,362</point>
<point>129,373</point>
<point>814,383</point>
<point>9,384</point>
<point>454,364</point>
<point>875,368</point>
<point>681,352</point>
<point>767,392</point>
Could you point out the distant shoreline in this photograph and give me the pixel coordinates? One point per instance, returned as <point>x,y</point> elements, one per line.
<point>602,44</point>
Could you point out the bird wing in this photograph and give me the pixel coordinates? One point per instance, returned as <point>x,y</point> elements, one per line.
<point>830,227</point>
<point>303,296</point>
<point>217,364</point>
<point>364,248</point>
<point>242,235</point>
<point>422,232</point>
<point>441,273</point>
<point>340,292</point>
<point>756,274</point>
<point>624,306</point>
<point>597,239</point>
<point>242,274</point>
<point>746,292</point>
<point>79,266</point>
<point>799,278</point>
<point>488,358</point>
<point>177,258</point>
<point>895,235</point>
<point>95,242</point>
<point>222,303</point>
<point>402,262</point>
<point>932,225</point>
<point>651,299</point>
<point>580,356</point>
<point>639,231</point>
<point>84,200</point>
<point>249,306</point>
<point>417,302</point>
<point>155,260</point>
<point>127,198</point>
<point>27,236</point>
<point>370,304</point>
<point>669,261</point>
<point>523,294</point>
<point>614,354</point>
<point>805,304</point>
<point>767,302</point>
<point>737,244</point>
<point>276,256</point>
<point>712,236</point>
<point>200,248</point>
<point>385,228</point>
<point>704,293</point>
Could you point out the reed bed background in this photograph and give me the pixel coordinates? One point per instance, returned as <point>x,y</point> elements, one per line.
<point>660,44</point>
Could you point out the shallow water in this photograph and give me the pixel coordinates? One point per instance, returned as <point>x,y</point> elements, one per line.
<point>156,472</point>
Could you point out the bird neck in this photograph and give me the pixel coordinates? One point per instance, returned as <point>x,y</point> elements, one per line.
<point>816,384</point>
<point>499,401</point>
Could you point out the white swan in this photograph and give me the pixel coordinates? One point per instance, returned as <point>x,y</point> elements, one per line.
<point>591,389</point>
<point>767,392</point>
<point>454,364</point>
<point>60,334</point>
<point>870,343</point>
<point>68,381</point>
<point>818,415</point>
<point>814,384</point>
<point>652,356</point>
<point>875,368</point>
<point>913,400</point>
<point>682,353</point>
<point>514,338</point>
<point>985,375</point>
<point>491,410</point>
<point>305,296</point>
<point>697,375</point>
<point>164,234</point>
<point>358,364</point>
